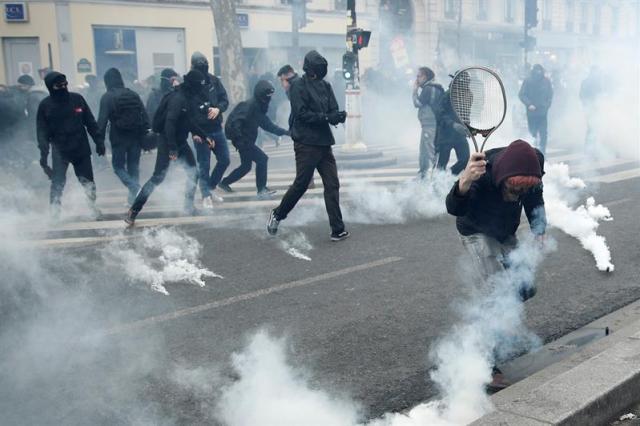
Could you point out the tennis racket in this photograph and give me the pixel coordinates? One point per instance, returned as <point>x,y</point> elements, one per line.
<point>479,101</point>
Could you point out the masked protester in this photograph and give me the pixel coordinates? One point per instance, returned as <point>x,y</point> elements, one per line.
<point>126,115</point>
<point>451,134</point>
<point>536,94</point>
<point>216,95</point>
<point>242,128</point>
<point>64,118</point>
<point>174,120</point>
<point>168,81</point>
<point>426,95</point>
<point>313,108</point>
<point>488,200</point>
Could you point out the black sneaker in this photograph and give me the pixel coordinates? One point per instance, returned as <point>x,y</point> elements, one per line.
<point>272,223</point>
<point>130,218</point>
<point>340,236</point>
<point>225,187</point>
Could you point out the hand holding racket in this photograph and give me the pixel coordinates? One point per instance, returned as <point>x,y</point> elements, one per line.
<point>479,101</point>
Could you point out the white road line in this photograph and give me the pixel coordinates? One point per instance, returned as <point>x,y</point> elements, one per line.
<point>248,296</point>
<point>616,177</point>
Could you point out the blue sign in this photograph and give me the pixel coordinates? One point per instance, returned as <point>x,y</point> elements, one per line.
<point>15,12</point>
<point>243,20</point>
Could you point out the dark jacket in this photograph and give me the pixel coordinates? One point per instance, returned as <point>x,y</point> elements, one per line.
<point>536,90</point>
<point>292,79</point>
<point>180,121</point>
<point>64,121</point>
<point>311,101</point>
<point>427,100</point>
<point>484,210</point>
<point>115,88</point>
<point>446,134</point>
<point>217,97</point>
<point>244,120</point>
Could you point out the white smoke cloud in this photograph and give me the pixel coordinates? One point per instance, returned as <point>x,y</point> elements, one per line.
<point>295,243</point>
<point>159,256</point>
<point>560,191</point>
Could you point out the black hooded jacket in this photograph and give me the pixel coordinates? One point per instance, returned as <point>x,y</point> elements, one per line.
<point>244,120</point>
<point>446,134</point>
<point>536,90</point>
<point>312,99</point>
<point>108,110</point>
<point>156,95</point>
<point>63,120</point>
<point>214,91</point>
<point>484,210</point>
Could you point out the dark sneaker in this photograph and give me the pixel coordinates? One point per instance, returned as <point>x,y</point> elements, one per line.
<point>130,218</point>
<point>498,381</point>
<point>272,223</point>
<point>340,236</point>
<point>266,194</point>
<point>225,187</point>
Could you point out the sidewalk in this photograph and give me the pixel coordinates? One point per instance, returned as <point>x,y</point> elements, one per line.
<point>595,378</point>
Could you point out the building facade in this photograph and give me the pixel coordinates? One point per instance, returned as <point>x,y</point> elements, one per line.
<point>142,37</point>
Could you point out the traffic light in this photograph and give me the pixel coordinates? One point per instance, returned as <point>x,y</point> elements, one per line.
<point>531,13</point>
<point>359,38</point>
<point>349,61</point>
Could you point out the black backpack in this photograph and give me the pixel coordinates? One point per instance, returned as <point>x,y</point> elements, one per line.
<point>129,113</point>
<point>160,115</point>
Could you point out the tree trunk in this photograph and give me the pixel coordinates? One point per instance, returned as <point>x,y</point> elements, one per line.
<point>230,48</point>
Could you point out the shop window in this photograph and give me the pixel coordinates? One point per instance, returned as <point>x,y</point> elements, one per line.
<point>509,10</point>
<point>340,4</point>
<point>596,19</point>
<point>584,17</point>
<point>116,47</point>
<point>547,15</point>
<point>570,10</point>
<point>450,9</point>
<point>482,13</point>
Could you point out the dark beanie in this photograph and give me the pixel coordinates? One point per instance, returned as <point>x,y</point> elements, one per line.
<point>27,80</point>
<point>518,159</point>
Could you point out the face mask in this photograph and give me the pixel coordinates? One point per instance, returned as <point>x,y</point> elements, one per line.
<point>203,67</point>
<point>60,91</point>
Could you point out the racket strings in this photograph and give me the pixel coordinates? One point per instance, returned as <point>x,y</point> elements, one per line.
<point>477,99</point>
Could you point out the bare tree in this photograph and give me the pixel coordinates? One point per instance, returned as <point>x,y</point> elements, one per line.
<point>230,48</point>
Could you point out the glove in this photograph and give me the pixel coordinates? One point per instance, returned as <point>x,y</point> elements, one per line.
<point>460,128</point>
<point>334,118</point>
<point>101,149</point>
<point>343,116</point>
<point>288,133</point>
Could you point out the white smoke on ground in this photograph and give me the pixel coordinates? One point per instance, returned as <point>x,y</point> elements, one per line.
<point>560,193</point>
<point>270,392</point>
<point>295,243</point>
<point>159,256</point>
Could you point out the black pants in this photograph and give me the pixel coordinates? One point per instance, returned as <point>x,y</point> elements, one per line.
<point>248,155</point>
<point>83,170</point>
<point>185,156</point>
<point>308,159</point>
<point>538,129</point>
<point>461,147</point>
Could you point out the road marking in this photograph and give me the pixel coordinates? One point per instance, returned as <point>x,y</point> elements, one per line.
<point>248,296</point>
<point>616,177</point>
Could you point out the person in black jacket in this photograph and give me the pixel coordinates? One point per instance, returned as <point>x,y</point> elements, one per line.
<point>488,200</point>
<point>124,111</point>
<point>168,80</point>
<point>63,120</point>
<point>450,135</point>
<point>536,94</point>
<point>313,108</point>
<point>219,102</point>
<point>183,105</point>
<point>242,128</point>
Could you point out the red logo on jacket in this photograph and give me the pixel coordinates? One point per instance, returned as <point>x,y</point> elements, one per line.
<point>78,110</point>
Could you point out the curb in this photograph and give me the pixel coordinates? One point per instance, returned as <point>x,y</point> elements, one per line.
<point>589,387</point>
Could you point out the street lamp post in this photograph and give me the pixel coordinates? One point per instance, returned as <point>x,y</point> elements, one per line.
<point>353,101</point>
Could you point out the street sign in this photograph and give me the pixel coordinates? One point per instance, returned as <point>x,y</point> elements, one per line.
<point>84,65</point>
<point>16,12</point>
<point>243,20</point>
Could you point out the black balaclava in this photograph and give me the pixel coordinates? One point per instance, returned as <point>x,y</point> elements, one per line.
<point>165,79</point>
<point>262,93</point>
<point>193,82</point>
<point>537,72</point>
<point>315,65</point>
<point>113,79</point>
<point>199,62</point>
<point>53,78</point>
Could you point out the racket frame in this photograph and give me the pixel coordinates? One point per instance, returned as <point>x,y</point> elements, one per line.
<point>473,131</point>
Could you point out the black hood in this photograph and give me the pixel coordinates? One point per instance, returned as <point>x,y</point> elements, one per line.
<point>165,79</point>
<point>262,93</point>
<point>537,71</point>
<point>113,79</point>
<point>199,62</point>
<point>52,78</point>
<point>315,65</point>
<point>193,82</point>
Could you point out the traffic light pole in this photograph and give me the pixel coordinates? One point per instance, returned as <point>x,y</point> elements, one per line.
<point>353,101</point>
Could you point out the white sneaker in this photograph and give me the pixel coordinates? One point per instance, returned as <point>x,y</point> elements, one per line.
<point>216,198</point>
<point>207,203</point>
